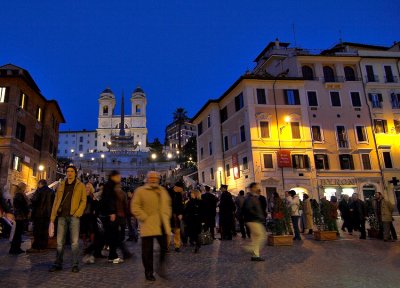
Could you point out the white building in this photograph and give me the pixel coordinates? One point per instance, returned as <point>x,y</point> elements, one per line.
<point>72,143</point>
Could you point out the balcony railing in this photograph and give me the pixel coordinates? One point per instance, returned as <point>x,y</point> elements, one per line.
<point>348,79</point>
<point>372,78</point>
<point>333,79</point>
<point>343,144</point>
<point>391,79</point>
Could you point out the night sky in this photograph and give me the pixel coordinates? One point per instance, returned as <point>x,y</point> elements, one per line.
<point>181,52</point>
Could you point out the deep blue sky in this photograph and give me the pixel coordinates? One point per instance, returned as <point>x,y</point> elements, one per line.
<point>181,52</point>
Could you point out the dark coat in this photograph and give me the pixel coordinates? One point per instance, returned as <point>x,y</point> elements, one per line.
<point>21,206</point>
<point>252,209</point>
<point>177,207</point>
<point>344,208</point>
<point>263,203</point>
<point>42,202</point>
<point>108,205</point>
<point>358,211</point>
<point>226,206</point>
<point>194,215</point>
<point>210,208</point>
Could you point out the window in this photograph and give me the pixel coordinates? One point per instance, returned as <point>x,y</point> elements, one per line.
<point>4,91</point>
<point>264,129</point>
<point>226,143</point>
<point>295,127</point>
<point>81,139</point>
<point>349,73</point>
<point>203,177</point>
<point>239,102</point>
<point>23,101</point>
<point>228,170</point>
<point>312,98</point>
<point>210,148</point>
<point>104,144</point>
<point>376,100</point>
<point>37,142</point>
<point>397,126</point>
<point>366,161</point>
<point>201,153</point>
<point>3,130</point>
<point>234,140</point>
<point>34,170</point>
<point>224,114</point>
<point>321,162</point>
<point>329,74</point>
<point>389,74</point>
<point>17,163</point>
<point>355,99</point>
<point>268,162</point>
<point>137,108</point>
<point>200,128</point>
<point>361,134</point>
<point>335,99</point>
<point>208,121</point>
<point>212,173</point>
<point>105,110</point>
<point>395,99</point>
<point>380,126</point>
<point>242,134</point>
<point>346,162</point>
<point>261,97</point>
<point>387,159</point>
<point>316,133</point>
<point>342,137</point>
<point>308,73</point>
<point>300,161</point>
<point>245,163</point>
<point>370,73</point>
<point>20,132</point>
<point>80,147</point>
<point>39,114</point>
<point>292,97</point>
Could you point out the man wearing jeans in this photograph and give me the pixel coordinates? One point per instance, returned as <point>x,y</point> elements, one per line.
<point>69,204</point>
<point>293,203</point>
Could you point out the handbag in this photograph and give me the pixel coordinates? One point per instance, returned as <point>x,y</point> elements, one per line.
<point>205,237</point>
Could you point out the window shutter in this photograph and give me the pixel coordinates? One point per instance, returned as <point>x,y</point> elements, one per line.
<point>385,128</point>
<point>326,162</point>
<point>394,99</point>
<point>380,98</point>
<point>351,162</point>
<point>285,94</point>
<point>370,97</point>
<point>7,94</point>
<point>294,162</point>
<point>306,161</point>
<point>296,97</point>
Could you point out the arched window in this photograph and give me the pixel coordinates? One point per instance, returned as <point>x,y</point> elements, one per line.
<point>349,73</point>
<point>308,72</point>
<point>137,109</point>
<point>105,110</point>
<point>329,74</point>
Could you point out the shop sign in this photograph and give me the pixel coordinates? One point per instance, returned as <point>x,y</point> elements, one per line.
<point>284,159</point>
<point>235,166</point>
<point>337,181</point>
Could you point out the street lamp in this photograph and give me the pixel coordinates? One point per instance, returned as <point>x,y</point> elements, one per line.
<point>154,156</point>
<point>169,155</point>
<point>92,159</point>
<point>190,158</point>
<point>72,150</point>
<point>102,162</point>
<point>220,175</point>
<point>41,169</point>
<point>81,155</point>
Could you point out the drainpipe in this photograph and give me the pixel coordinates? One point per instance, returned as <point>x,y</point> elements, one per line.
<point>372,127</point>
<point>222,144</point>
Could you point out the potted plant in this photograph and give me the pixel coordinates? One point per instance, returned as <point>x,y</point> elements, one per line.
<point>373,230</point>
<point>323,222</point>
<point>280,227</point>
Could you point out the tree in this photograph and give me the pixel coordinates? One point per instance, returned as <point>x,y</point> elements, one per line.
<point>180,117</point>
<point>156,147</point>
<point>190,149</point>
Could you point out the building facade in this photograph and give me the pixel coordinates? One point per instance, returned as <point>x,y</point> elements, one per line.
<point>76,142</point>
<point>339,107</point>
<point>187,130</point>
<point>29,130</point>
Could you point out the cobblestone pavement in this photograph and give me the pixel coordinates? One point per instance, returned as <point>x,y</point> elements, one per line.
<point>348,262</point>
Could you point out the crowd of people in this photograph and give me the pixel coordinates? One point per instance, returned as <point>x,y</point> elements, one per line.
<point>99,213</point>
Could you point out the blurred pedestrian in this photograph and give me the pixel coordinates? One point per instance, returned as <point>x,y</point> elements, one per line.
<point>294,206</point>
<point>210,210</point>
<point>344,208</point>
<point>151,205</point>
<point>226,213</point>
<point>308,214</point>
<point>68,206</point>
<point>177,213</point>
<point>254,218</point>
<point>41,203</point>
<point>194,217</point>
<point>21,213</point>
<point>239,201</point>
<point>383,210</point>
<point>359,215</point>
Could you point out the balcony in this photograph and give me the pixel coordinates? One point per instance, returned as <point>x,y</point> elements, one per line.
<point>343,144</point>
<point>352,79</point>
<point>391,79</point>
<point>371,78</point>
<point>336,79</point>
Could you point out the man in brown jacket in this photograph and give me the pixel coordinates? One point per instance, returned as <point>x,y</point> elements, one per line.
<point>151,205</point>
<point>383,212</point>
<point>69,204</point>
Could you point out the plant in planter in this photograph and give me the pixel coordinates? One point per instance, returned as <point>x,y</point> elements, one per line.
<point>373,230</point>
<point>322,221</point>
<point>281,225</point>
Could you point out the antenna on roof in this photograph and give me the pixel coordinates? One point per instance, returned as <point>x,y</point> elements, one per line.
<point>294,35</point>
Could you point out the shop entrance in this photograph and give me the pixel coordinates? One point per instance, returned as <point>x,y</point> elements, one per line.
<point>368,192</point>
